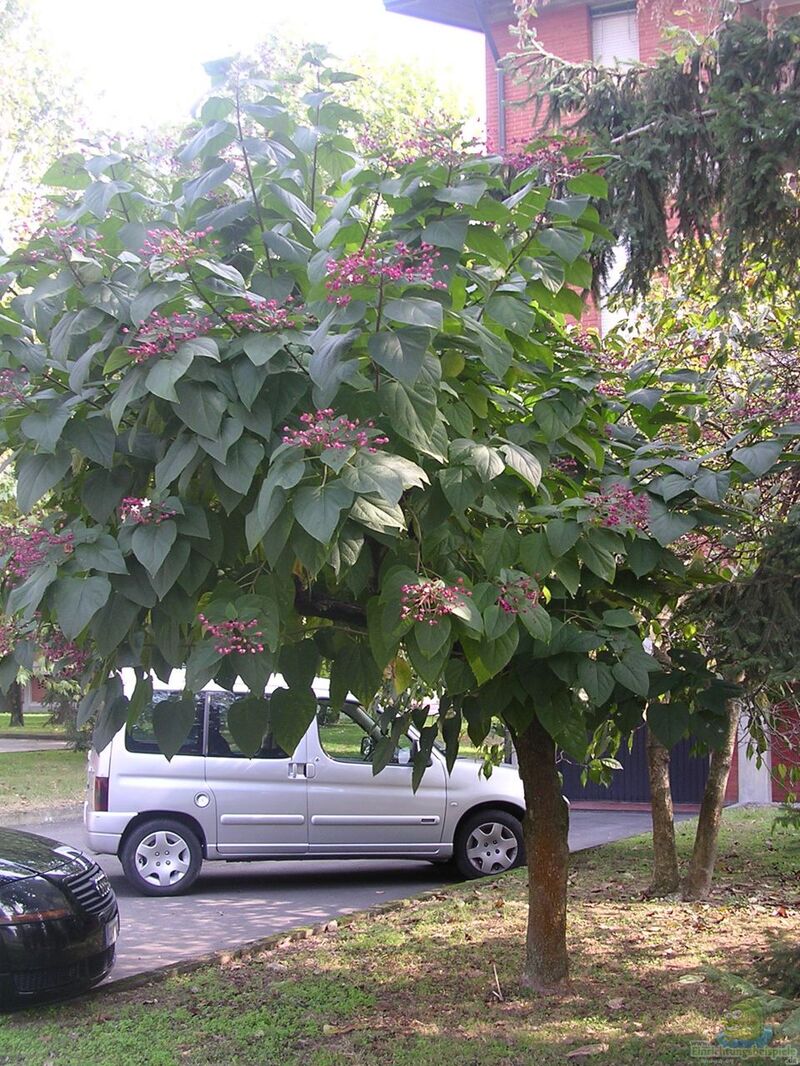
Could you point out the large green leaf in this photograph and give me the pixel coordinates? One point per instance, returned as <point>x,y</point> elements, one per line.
<point>151,543</point>
<point>161,377</point>
<point>597,679</point>
<point>77,600</point>
<point>523,463</point>
<point>200,407</point>
<point>240,464</point>
<point>318,508</point>
<point>669,721</point>
<point>249,721</point>
<point>291,713</point>
<point>488,657</point>
<point>401,352</point>
<point>37,474</point>
<point>759,458</point>
<point>561,535</point>
<point>414,311</point>
<point>172,721</point>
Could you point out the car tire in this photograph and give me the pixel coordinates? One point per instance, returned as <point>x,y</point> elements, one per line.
<point>488,843</point>
<point>161,857</point>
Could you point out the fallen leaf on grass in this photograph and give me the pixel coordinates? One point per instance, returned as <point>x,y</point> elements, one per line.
<point>589,1049</point>
<point>615,1004</point>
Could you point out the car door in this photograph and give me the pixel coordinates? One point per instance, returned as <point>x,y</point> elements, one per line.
<point>351,811</point>
<point>261,802</point>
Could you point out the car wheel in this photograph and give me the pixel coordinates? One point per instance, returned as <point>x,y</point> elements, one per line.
<point>489,842</point>
<point>161,858</point>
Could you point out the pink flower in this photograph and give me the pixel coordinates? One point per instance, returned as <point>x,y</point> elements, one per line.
<point>429,601</point>
<point>517,594</point>
<point>143,512</point>
<point>620,508</point>
<point>234,637</point>
<point>323,429</point>
<point>175,247</point>
<point>265,316</point>
<point>27,548</point>
<point>372,266</point>
<point>163,335</point>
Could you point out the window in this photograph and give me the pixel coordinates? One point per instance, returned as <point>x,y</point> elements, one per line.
<point>349,735</point>
<point>220,741</point>
<point>615,37</point>
<point>140,736</point>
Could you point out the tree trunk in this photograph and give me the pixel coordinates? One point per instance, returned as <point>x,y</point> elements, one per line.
<point>697,883</point>
<point>12,704</point>
<point>546,825</point>
<point>666,878</point>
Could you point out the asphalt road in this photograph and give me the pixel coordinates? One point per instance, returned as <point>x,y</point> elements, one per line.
<point>233,904</point>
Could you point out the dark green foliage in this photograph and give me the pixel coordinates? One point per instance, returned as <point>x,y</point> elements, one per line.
<point>707,138</point>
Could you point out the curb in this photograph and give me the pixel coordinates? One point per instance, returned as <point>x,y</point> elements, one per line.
<point>42,815</point>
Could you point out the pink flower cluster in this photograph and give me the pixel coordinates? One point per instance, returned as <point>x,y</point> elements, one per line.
<point>566,464</point>
<point>28,548</point>
<point>264,316</point>
<point>234,637</point>
<point>323,429</point>
<point>431,600</point>
<point>143,512</point>
<point>68,657</point>
<point>516,594</point>
<point>10,381</point>
<point>373,266</point>
<point>66,239</point>
<point>174,246</point>
<point>620,508</point>
<point>164,334</point>
<point>777,410</point>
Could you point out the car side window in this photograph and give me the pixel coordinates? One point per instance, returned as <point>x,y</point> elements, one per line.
<point>140,736</point>
<point>349,734</point>
<point>220,740</point>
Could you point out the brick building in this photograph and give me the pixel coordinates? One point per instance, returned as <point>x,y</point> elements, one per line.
<point>610,33</point>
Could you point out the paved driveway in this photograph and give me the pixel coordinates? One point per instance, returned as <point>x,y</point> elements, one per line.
<point>235,903</point>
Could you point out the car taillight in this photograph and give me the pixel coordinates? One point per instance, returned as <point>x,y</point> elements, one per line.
<point>101,793</point>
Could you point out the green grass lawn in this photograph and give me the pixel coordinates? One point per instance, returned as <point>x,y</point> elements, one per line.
<point>416,986</point>
<point>32,780</point>
<point>35,723</point>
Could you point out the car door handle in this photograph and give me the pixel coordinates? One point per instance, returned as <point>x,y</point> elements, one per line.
<point>302,769</point>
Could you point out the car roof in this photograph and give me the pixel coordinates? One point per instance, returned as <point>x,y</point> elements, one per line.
<point>177,682</point>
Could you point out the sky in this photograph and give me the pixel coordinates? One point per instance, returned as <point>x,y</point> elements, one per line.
<point>141,63</point>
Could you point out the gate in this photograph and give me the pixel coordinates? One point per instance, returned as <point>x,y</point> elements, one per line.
<point>688,775</point>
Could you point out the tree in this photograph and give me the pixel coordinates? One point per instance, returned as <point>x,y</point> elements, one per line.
<point>703,142</point>
<point>40,108</point>
<point>314,406</point>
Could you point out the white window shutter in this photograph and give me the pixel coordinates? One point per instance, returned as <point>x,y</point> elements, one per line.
<point>615,38</point>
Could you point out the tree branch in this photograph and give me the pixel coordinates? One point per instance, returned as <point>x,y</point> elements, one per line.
<point>316,604</point>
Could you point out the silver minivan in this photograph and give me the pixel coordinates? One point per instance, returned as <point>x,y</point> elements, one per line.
<point>321,801</point>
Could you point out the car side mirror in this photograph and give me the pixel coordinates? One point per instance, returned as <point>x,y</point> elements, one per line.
<point>367,748</point>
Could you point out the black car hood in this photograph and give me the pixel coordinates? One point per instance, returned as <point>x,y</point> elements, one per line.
<point>28,855</point>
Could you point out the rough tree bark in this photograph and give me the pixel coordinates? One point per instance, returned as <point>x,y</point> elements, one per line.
<point>11,703</point>
<point>666,877</point>
<point>546,825</point>
<point>697,883</point>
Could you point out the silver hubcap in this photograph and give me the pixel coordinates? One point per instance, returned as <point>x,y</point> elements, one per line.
<point>492,848</point>
<point>163,858</point>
